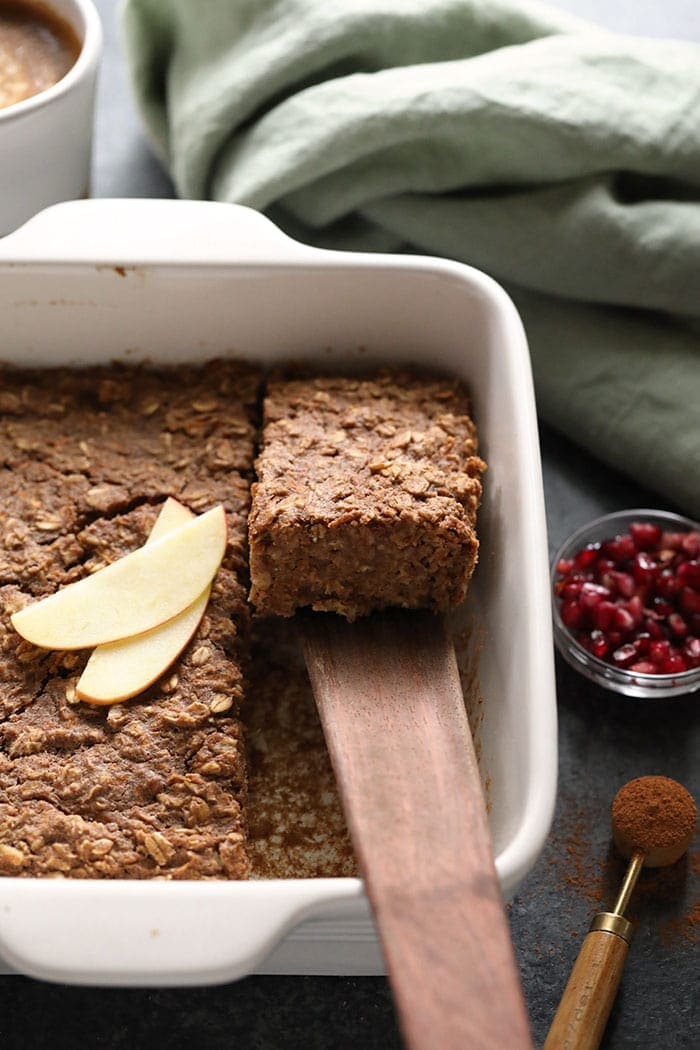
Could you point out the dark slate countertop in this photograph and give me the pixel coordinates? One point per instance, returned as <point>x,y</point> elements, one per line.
<point>604,740</point>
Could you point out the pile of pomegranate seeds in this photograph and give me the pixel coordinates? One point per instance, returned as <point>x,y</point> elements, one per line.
<point>634,601</point>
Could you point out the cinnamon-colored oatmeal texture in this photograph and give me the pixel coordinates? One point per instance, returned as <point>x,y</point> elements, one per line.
<point>154,787</point>
<point>366,495</point>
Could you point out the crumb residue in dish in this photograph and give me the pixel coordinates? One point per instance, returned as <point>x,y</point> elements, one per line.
<point>296,824</point>
<point>467,637</point>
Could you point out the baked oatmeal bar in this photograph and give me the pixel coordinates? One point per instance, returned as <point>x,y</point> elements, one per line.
<point>366,495</point>
<point>155,786</point>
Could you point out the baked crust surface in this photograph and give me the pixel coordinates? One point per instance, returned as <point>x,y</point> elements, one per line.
<point>154,787</point>
<point>366,495</point>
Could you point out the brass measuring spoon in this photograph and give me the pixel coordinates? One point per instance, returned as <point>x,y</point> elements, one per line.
<point>589,995</point>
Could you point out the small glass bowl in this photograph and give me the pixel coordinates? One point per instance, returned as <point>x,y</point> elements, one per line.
<point>620,680</point>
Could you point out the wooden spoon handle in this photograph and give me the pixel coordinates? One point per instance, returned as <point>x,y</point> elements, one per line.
<point>589,995</point>
<point>390,700</point>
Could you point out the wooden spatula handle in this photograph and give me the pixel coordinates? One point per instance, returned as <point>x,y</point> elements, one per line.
<point>390,700</point>
<point>589,995</point>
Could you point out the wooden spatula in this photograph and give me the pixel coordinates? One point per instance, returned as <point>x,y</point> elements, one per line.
<point>390,701</point>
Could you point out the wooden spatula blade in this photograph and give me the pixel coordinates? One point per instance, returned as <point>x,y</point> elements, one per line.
<point>390,701</point>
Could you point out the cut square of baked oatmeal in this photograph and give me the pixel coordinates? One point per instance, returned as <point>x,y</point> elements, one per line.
<point>366,494</point>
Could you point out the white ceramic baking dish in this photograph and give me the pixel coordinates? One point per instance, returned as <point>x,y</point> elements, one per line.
<point>169,281</point>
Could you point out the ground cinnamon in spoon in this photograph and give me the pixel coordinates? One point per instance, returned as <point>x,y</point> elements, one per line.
<point>654,812</point>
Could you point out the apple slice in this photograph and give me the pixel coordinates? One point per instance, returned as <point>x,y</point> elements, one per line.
<point>135,594</point>
<point>172,515</point>
<point>119,670</point>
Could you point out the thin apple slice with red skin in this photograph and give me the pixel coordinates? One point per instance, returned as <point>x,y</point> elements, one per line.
<point>133,595</point>
<point>119,670</point>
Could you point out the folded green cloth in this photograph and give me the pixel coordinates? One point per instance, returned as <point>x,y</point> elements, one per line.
<point>562,159</point>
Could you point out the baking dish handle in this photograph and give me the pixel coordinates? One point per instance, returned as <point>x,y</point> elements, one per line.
<point>153,933</point>
<point>150,232</point>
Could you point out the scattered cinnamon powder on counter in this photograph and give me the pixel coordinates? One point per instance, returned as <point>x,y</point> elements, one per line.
<point>666,900</point>
<point>685,928</point>
<point>575,858</point>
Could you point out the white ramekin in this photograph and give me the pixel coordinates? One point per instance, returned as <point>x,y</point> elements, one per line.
<point>46,140</point>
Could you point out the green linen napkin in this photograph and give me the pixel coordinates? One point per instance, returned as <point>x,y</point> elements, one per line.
<point>560,158</point>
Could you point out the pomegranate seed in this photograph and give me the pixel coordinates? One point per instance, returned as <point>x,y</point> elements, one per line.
<point>575,577</point>
<point>571,589</point>
<point>624,656</point>
<point>689,600</point>
<point>564,566</point>
<point>672,540</point>
<point>620,549</point>
<point>591,595</point>
<point>690,544</point>
<point>644,667</point>
<point>595,588</point>
<point>615,638</point>
<point>689,573</point>
<point>603,614</point>
<point>661,608</point>
<point>571,614</point>
<point>645,535</point>
<point>624,583</point>
<point>605,565</point>
<point>659,650</point>
<point>667,583</point>
<point>644,568</point>
<point>635,608</point>
<point>691,652</point>
<point>678,625</point>
<point>694,572</point>
<point>654,629</point>
<point>587,556</point>
<point>641,643</point>
<point>673,664</point>
<point>598,644</point>
<point>623,618</point>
